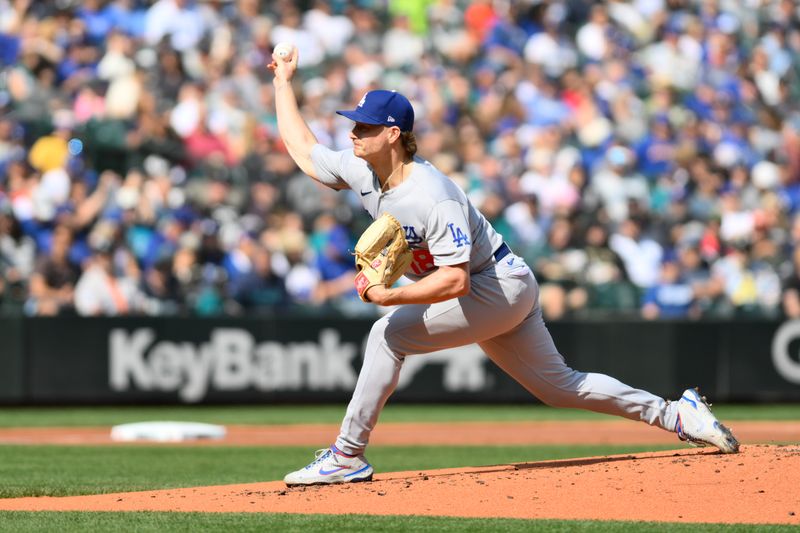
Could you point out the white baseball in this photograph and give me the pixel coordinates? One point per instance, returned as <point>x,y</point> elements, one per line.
<point>284,50</point>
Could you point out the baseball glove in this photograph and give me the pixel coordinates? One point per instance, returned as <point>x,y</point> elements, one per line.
<point>382,254</point>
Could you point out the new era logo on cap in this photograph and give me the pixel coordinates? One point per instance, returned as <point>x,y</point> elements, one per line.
<point>388,108</point>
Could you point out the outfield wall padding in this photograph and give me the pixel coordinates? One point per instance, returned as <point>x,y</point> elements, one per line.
<point>285,359</point>
<point>12,374</point>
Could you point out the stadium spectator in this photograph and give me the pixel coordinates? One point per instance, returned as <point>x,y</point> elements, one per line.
<point>603,274</point>
<point>751,286</point>
<point>17,257</point>
<point>671,296</point>
<point>52,283</point>
<point>260,289</point>
<point>641,254</point>
<point>791,289</point>
<point>605,137</point>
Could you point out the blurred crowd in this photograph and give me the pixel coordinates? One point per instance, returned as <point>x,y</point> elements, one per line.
<point>643,155</point>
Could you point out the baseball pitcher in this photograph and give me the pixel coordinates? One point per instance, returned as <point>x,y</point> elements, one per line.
<point>468,286</point>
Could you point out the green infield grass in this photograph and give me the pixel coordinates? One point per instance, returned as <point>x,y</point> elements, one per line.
<point>23,522</point>
<point>70,470</point>
<point>332,414</point>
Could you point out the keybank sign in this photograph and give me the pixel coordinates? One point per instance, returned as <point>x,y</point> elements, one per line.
<point>232,360</point>
<point>785,364</point>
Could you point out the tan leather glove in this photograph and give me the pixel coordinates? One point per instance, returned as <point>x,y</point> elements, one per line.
<point>382,254</point>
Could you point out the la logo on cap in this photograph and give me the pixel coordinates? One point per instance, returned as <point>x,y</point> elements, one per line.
<point>382,107</point>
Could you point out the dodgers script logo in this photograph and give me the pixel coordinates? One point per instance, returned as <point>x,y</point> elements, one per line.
<point>459,237</point>
<point>361,102</point>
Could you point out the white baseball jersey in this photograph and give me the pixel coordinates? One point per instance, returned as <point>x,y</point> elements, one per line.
<point>442,226</point>
<point>500,313</point>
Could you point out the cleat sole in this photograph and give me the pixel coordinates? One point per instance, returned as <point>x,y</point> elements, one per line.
<point>332,482</point>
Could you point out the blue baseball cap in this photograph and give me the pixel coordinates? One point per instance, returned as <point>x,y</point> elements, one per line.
<point>387,108</point>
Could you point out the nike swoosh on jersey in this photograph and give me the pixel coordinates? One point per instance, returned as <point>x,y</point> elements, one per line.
<point>364,193</point>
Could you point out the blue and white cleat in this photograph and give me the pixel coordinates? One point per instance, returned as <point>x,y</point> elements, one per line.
<point>331,466</point>
<point>697,425</point>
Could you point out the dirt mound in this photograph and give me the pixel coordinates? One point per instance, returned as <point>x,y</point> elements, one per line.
<point>758,485</point>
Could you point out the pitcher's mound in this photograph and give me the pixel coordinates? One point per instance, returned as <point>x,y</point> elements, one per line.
<point>758,485</point>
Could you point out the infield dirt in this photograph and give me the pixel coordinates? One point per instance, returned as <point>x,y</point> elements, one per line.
<point>412,434</point>
<point>758,485</point>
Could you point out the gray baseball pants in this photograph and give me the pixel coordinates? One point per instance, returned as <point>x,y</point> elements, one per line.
<point>502,315</point>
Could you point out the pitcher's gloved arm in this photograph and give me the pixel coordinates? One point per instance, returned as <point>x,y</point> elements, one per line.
<point>445,283</point>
